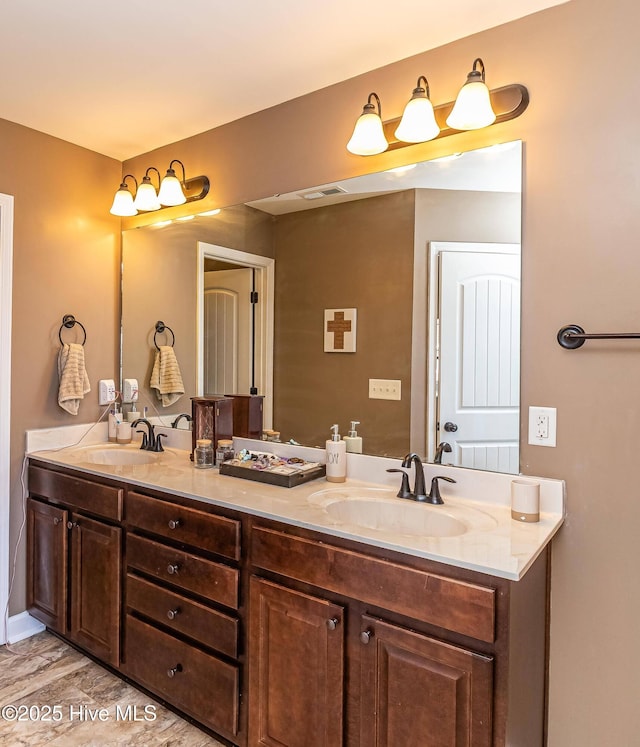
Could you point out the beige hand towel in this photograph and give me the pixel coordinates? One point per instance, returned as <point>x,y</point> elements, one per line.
<point>166,377</point>
<point>74,382</point>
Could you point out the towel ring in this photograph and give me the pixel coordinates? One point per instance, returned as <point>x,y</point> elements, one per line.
<point>69,321</point>
<point>160,328</point>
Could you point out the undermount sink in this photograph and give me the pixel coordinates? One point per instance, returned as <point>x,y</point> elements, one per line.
<point>120,456</point>
<point>380,510</point>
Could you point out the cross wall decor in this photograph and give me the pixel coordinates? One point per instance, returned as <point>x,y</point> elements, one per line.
<point>340,330</point>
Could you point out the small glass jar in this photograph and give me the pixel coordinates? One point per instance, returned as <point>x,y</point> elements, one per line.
<point>224,451</point>
<point>203,454</point>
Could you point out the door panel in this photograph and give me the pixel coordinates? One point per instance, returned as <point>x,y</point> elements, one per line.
<point>480,358</point>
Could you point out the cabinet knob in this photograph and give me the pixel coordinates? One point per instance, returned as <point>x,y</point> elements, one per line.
<point>333,623</point>
<point>174,523</point>
<point>365,636</point>
<point>172,568</point>
<point>172,614</point>
<point>72,524</point>
<point>56,521</point>
<point>174,670</point>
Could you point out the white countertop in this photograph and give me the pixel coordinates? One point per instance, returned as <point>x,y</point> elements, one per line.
<point>493,543</point>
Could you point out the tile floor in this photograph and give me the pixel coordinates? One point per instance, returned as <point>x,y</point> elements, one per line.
<point>43,671</point>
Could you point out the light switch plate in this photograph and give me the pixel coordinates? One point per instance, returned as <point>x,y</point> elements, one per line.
<point>542,426</point>
<point>385,389</point>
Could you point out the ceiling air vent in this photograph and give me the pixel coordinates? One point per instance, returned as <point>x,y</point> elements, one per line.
<point>317,194</point>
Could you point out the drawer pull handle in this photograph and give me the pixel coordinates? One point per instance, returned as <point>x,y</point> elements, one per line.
<point>172,568</point>
<point>174,523</point>
<point>72,524</point>
<point>172,614</point>
<point>365,636</point>
<point>172,672</point>
<point>333,623</point>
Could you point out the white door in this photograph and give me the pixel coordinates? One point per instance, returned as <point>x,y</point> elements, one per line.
<point>228,353</point>
<point>479,372</point>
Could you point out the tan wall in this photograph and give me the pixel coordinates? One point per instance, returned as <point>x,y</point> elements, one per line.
<point>581,264</point>
<point>66,250</point>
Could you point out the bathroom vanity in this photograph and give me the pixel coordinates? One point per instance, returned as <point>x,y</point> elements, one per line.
<point>232,602</point>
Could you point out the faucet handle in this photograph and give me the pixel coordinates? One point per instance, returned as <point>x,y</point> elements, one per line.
<point>157,444</point>
<point>405,490</point>
<point>145,440</point>
<point>434,494</point>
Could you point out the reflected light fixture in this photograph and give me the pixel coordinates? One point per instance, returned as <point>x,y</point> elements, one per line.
<point>171,192</point>
<point>418,123</point>
<point>472,109</point>
<point>368,134</point>
<point>146,196</point>
<point>123,199</point>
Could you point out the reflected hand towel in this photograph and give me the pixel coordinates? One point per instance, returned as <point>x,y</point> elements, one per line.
<point>74,381</point>
<point>166,378</point>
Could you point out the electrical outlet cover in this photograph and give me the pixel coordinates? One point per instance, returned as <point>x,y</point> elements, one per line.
<point>542,426</point>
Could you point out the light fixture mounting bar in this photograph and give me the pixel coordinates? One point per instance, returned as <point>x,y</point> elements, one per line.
<point>196,188</point>
<point>508,103</point>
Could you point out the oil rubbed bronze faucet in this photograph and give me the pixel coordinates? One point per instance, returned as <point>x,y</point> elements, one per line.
<point>150,442</point>
<point>443,446</point>
<point>419,491</point>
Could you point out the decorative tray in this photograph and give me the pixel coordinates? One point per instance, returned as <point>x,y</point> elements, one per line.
<point>273,470</point>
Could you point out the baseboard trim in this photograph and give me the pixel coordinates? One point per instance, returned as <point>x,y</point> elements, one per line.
<point>22,626</point>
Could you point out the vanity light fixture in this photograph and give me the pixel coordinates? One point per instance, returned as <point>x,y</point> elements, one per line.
<point>171,192</point>
<point>368,134</point>
<point>146,196</point>
<point>418,123</point>
<point>475,107</point>
<point>472,109</point>
<point>123,199</point>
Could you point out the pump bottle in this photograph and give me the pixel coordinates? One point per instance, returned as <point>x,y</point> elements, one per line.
<point>353,440</point>
<point>336,457</point>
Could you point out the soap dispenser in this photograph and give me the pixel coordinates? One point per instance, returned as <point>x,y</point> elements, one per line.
<point>353,440</point>
<point>336,457</point>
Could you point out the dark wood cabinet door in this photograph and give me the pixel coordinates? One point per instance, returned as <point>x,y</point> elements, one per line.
<point>417,691</point>
<point>47,564</point>
<point>296,666</point>
<point>95,587</point>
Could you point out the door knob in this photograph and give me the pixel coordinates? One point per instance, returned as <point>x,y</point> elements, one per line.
<point>450,427</point>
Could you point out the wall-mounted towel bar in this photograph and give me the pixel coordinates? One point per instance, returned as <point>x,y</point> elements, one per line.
<point>160,328</point>
<point>572,336</point>
<point>69,321</point>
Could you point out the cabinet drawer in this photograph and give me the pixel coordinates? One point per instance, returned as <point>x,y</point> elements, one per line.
<point>210,627</point>
<point>211,580</point>
<point>101,500</point>
<point>198,528</point>
<point>459,606</point>
<point>197,683</point>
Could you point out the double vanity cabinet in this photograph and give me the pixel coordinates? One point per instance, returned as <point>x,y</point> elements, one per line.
<point>266,633</point>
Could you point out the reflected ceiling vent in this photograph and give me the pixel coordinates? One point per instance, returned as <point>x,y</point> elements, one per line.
<point>317,194</point>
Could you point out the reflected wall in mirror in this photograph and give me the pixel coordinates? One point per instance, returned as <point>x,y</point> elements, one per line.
<point>374,243</point>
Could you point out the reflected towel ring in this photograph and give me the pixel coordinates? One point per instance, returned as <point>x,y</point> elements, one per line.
<point>69,321</point>
<point>160,328</point>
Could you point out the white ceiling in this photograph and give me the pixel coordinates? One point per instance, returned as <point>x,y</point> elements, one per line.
<point>122,77</point>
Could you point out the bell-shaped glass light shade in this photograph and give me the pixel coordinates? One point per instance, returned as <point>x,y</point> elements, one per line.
<point>171,190</point>
<point>368,135</point>
<point>418,123</point>
<point>146,197</point>
<point>123,203</point>
<point>472,109</point>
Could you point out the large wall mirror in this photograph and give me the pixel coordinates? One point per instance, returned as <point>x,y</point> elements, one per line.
<point>423,262</point>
